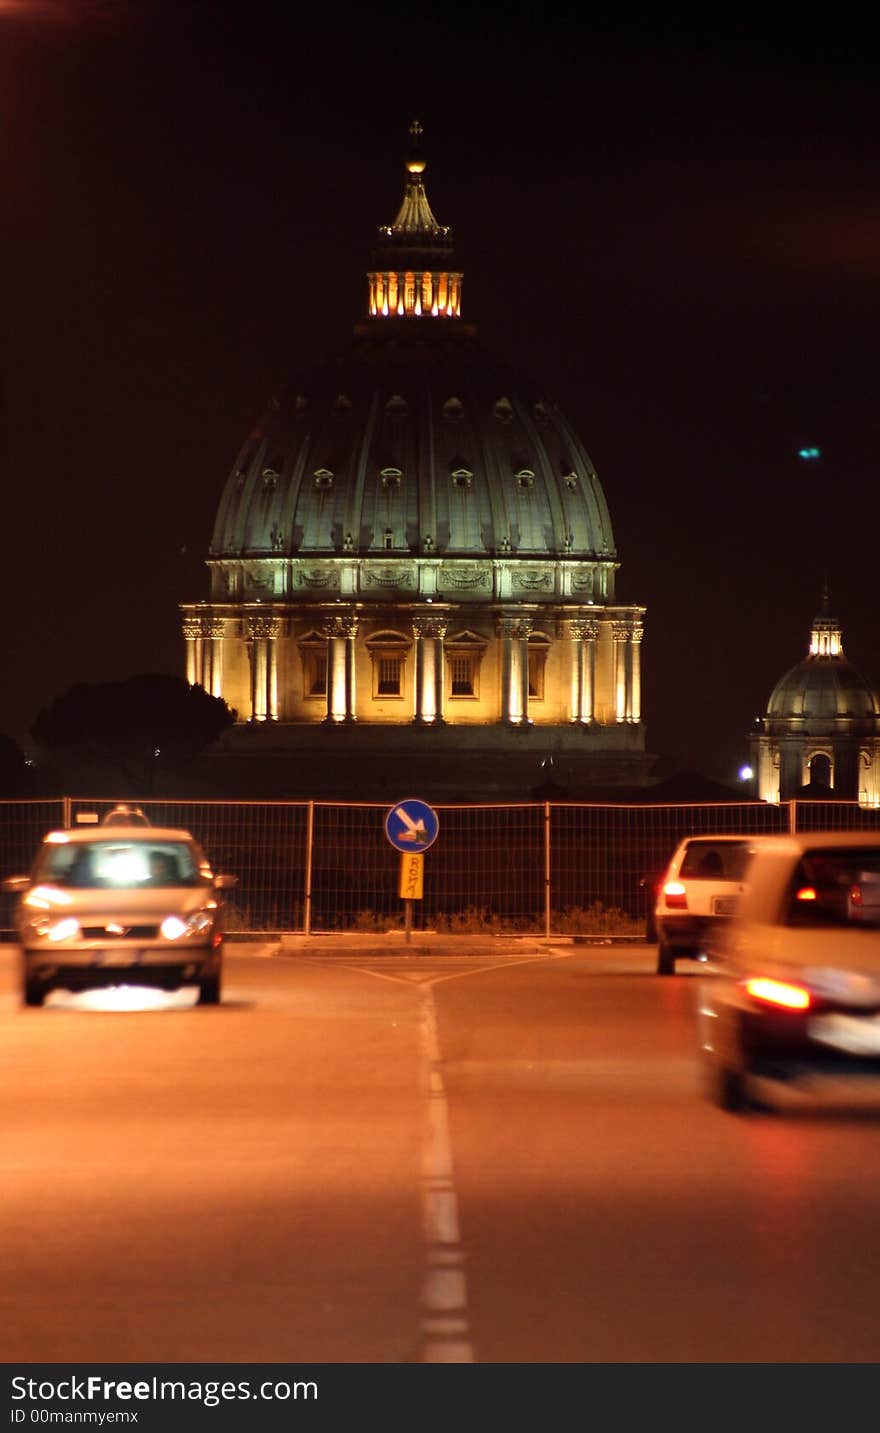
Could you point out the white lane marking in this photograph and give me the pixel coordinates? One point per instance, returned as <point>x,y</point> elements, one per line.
<point>444,1319</point>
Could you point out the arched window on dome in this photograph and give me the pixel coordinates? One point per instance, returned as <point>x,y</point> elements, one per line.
<point>388,654</point>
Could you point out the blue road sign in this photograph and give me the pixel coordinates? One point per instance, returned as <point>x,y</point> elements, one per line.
<point>411,826</point>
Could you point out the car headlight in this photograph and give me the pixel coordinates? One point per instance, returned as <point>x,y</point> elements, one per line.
<point>200,923</point>
<point>55,928</point>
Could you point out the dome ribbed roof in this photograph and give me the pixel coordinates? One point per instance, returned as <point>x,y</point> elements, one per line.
<point>425,446</point>
<point>821,687</point>
<point>414,439</point>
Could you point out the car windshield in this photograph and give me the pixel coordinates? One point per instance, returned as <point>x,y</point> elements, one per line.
<point>99,865</point>
<point>715,860</point>
<point>836,887</point>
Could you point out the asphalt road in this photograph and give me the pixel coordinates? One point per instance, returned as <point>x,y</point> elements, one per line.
<point>462,1152</point>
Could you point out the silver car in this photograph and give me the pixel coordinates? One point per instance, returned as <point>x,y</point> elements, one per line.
<point>796,989</point>
<point>120,905</point>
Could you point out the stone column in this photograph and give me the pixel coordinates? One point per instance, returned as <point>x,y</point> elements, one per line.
<point>334,631</point>
<point>212,629</point>
<point>514,633</point>
<point>620,637</point>
<point>340,631</point>
<point>429,633</point>
<point>522,644</point>
<point>636,636</point>
<point>192,633</point>
<point>438,637</point>
<point>584,635</point>
<point>506,631</point>
<point>351,626</point>
<point>262,630</point>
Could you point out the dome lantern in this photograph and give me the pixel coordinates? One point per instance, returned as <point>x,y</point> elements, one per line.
<point>412,275</point>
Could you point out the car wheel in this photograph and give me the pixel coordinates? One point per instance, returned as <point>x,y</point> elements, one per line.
<point>209,990</point>
<point>665,959</point>
<point>728,1089</point>
<point>34,992</point>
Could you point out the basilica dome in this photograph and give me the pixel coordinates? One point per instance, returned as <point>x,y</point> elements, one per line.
<point>412,567</point>
<point>413,439</point>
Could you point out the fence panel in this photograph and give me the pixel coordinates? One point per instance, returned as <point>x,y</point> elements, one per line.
<point>835,816</point>
<point>603,858</point>
<point>485,871</point>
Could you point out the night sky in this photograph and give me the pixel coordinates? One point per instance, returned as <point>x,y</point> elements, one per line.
<point>671,221</point>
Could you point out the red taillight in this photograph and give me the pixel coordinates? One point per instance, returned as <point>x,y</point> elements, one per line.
<point>675,896</point>
<point>778,992</point>
<point>855,896</point>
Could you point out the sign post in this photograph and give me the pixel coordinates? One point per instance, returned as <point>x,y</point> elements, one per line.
<point>411,827</point>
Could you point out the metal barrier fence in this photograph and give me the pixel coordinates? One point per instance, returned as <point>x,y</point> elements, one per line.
<point>544,868</point>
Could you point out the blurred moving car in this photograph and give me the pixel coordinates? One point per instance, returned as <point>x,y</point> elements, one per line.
<point>123,906</point>
<point>697,894</point>
<point>797,988</point>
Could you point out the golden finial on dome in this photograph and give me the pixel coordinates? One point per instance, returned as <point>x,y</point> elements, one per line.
<point>415,164</point>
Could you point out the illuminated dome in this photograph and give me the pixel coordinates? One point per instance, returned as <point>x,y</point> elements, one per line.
<point>820,734</point>
<point>412,567</point>
<point>828,687</point>
<point>413,440</point>
<point>824,684</point>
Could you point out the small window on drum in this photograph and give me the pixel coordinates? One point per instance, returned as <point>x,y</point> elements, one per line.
<point>463,675</point>
<point>464,655</point>
<point>391,478</point>
<point>538,649</point>
<point>313,654</point>
<point>461,477</point>
<point>525,478</point>
<point>388,654</point>
<point>389,676</point>
<point>323,478</point>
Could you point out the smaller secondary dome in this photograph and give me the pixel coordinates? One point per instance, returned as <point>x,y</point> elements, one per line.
<point>823,687</point>
<point>825,684</point>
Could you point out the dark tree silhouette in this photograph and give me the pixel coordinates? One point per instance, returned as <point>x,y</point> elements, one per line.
<point>16,778</point>
<point>133,728</point>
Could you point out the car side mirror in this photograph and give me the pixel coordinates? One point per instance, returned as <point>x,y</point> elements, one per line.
<point>225,883</point>
<point>16,883</point>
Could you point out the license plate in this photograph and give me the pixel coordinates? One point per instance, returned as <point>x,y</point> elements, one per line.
<point>856,1034</point>
<point>724,905</point>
